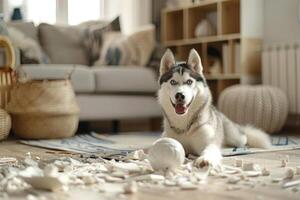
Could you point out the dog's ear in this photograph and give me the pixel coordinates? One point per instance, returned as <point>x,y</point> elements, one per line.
<point>166,62</point>
<point>194,61</point>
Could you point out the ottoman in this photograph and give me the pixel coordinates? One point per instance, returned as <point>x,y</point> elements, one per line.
<point>264,107</point>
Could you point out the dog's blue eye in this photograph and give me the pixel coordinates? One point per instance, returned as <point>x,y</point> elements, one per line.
<point>189,82</point>
<point>173,82</point>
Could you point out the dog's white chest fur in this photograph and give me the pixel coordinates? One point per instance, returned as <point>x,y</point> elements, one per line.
<point>193,142</point>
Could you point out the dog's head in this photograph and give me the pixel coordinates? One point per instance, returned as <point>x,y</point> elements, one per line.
<point>181,84</point>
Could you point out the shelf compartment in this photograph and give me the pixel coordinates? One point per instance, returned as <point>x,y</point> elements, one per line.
<point>215,38</point>
<point>172,25</point>
<point>183,53</point>
<point>198,13</point>
<point>230,17</point>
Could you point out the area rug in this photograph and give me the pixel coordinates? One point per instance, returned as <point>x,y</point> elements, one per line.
<point>109,145</point>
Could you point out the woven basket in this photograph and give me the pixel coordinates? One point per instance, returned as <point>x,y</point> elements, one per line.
<point>44,109</point>
<point>5,124</point>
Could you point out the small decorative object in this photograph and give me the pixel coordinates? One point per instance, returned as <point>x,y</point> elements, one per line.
<point>5,124</point>
<point>214,60</point>
<point>204,28</point>
<point>44,109</point>
<point>17,14</point>
<point>264,107</point>
<point>166,153</point>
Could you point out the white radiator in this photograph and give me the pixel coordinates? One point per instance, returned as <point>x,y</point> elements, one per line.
<point>281,68</point>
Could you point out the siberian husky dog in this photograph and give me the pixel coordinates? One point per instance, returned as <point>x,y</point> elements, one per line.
<point>190,117</point>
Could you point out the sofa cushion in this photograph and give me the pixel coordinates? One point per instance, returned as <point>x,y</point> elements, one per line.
<point>104,107</point>
<point>63,44</point>
<point>82,78</point>
<point>124,79</point>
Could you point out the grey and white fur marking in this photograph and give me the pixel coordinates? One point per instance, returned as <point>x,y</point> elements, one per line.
<point>190,117</point>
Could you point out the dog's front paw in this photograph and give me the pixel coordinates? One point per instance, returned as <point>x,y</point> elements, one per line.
<point>201,162</point>
<point>207,160</point>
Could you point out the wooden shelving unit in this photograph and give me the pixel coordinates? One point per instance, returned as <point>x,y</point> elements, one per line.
<point>177,33</point>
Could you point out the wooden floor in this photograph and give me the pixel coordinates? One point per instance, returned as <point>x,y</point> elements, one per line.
<point>216,188</point>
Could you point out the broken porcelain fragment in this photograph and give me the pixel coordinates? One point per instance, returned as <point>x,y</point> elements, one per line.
<point>233,180</point>
<point>289,173</point>
<point>188,186</point>
<point>45,183</point>
<point>265,172</point>
<point>130,188</point>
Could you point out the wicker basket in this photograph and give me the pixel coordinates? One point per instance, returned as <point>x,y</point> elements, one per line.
<point>5,124</point>
<point>7,74</point>
<point>44,109</point>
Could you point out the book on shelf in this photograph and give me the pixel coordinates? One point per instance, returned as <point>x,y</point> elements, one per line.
<point>237,58</point>
<point>225,59</point>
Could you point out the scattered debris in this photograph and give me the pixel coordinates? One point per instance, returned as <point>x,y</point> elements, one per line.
<point>297,170</point>
<point>170,183</point>
<point>7,160</point>
<point>238,162</point>
<point>295,189</point>
<point>277,180</point>
<point>231,169</point>
<point>149,177</point>
<point>251,167</point>
<point>130,188</point>
<point>44,183</point>
<point>265,172</point>
<point>137,155</point>
<point>89,180</point>
<point>252,173</point>
<point>188,186</point>
<point>291,183</point>
<point>51,170</point>
<point>287,158</point>
<point>127,175</point>
<point>289,173</point>
<point>233,187</point>
<point>283,163</point>
<point>233,180</point>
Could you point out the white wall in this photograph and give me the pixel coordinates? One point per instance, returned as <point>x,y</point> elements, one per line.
<point>281,21</point>
<point>252,18</point>
<point>134,13</point>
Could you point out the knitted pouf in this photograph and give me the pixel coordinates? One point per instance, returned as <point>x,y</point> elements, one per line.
<point>264,107</point>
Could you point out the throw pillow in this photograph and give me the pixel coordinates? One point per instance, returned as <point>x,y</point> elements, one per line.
<point>27,28</point>
<point>92,32</point>
<point>31,51</point>
<point>62,44</point>
<point>135,49</point>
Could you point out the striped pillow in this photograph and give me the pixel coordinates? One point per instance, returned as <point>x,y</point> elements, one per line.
<point>134,49</point>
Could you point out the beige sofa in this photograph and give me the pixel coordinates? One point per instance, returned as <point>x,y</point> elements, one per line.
<point>103,92</point>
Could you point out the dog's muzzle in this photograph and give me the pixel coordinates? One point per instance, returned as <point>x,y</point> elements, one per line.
<point>180,106</point>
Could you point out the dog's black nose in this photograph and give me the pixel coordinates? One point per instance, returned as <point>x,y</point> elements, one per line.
<point>179,96</point>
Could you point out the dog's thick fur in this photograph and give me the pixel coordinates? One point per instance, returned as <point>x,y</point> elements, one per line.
<point>190,117</point>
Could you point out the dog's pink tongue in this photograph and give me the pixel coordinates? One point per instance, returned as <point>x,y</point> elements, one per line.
<point>179,108</point>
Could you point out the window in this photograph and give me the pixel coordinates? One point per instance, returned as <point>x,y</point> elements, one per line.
<point>40,11</point>
<point>58,11</point>
<point>80,11</point>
